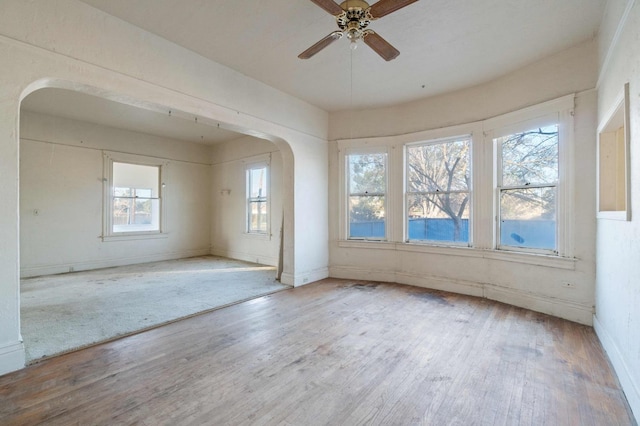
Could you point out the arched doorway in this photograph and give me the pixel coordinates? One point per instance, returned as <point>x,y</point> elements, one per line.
<point>67,158</point>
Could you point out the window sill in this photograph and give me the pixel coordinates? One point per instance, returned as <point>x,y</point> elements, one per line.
<point>258,236</point>
<point>134,236</point>
<point>613,215</point>
<point>505,256</point>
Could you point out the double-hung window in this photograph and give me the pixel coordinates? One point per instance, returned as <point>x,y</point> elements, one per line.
<point>133,195</point>
<point>438,191</point>
<point>258,198</point>
<point>527,189</point>
<point>366,178</point>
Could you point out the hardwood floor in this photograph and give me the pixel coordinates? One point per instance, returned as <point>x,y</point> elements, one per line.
<point>335,352</point>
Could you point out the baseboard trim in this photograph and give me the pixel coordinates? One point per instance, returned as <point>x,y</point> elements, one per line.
<point>627,382</point>
<point>566,309</point>
<point>36,271</point>
<point>298,280</point>
<point>12,358</point>
<point>247,257</point>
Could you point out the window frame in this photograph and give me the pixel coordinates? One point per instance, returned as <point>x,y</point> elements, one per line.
<point>559,111</point>
<point>436,141</point>
<point>109,158</point>
<point>501,188</point>
<point>347,194</point>
<point>256,163</point>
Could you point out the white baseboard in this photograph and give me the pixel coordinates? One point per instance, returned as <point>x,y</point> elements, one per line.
<point>12,358</point>
<point>629,385</point>
<point>39,270</point>
<point>247,257</point>
<point>566,309</point>
<point>469,288</point>
<point>308,277</point>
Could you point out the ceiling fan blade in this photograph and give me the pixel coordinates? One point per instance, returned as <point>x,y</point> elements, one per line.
<point>320,45</point>
<point>329,5</point>
<point>380,45</point>
<point>385,7</point>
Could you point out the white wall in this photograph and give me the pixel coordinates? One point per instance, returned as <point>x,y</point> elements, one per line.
<point>570,71</point>
<point>68,44</point>
<point>617,318</point>
<point>228,230</point>
<point>61,196</point>
<point>521,280</point>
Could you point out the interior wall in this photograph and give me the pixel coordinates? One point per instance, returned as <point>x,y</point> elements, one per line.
<point>228,230</point>
<point>61,196</point>
<point>617,318</point>
<point>513,279</point>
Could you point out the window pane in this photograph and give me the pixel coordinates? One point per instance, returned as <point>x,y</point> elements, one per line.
<point>528,218</point>
<point>530,157</point>
<point>439,217</point>
<point>122,192</point>
<point>438,167</point>
<point>366,217</point>
<point>136,203</point>
<point>135,215</point>
<point>143,192</point>
<point>367,173</point>
<point>257,216</point>
<point>258,182</point>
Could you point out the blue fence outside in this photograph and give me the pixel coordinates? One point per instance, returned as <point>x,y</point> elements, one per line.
<point>438,230</point>
<point>370,229</point>
<point>537,234</point>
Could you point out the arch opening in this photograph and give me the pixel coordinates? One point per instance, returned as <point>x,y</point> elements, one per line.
<point>65,131</point>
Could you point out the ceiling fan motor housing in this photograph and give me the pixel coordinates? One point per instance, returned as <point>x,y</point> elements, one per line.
<point>354,19</point>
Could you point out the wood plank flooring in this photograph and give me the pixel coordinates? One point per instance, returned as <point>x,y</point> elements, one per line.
<point>335,352</point>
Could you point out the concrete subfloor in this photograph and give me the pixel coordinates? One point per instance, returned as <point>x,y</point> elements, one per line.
<point>60,313</point>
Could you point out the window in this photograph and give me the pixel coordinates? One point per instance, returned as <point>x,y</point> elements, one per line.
<point>135,200</point>
<point>500,188</point>
<point>438,191</point>
<point>257,199</point>
<point>527,180</point>
<point>366,195</point>
<point>133,196</point>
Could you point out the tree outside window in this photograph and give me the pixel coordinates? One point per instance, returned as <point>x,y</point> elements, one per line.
<point>527,189</point>
<point>135,204</point>
<point>367,185</point>
<point>438,191</point>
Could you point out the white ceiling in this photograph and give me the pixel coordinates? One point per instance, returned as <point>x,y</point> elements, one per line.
<point>445,45</point>
<point>93,109</point>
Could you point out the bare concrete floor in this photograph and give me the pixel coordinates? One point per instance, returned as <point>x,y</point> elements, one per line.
<point>64,312</point>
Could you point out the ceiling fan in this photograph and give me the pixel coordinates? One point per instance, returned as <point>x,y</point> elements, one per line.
<point>353,17</point>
